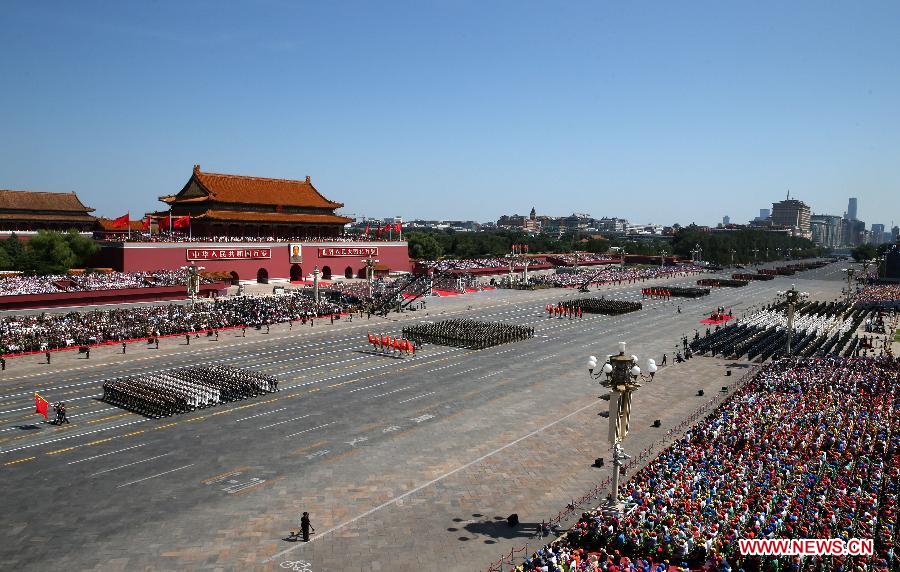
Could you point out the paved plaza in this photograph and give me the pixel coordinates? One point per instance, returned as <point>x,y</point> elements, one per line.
<point>403,464</point>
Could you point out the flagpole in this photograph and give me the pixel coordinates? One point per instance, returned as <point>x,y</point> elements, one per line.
<point>129,225</point>
<point>170,220</point>
<point>190,228</point>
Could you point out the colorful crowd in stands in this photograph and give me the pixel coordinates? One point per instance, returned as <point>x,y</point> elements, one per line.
<point>472,263</point>
<point>613,275</point>
<point>56,283</point>
<point>582,258</point>
<point>879,293</point>
<point>806,449</point>
<point>42,332</point>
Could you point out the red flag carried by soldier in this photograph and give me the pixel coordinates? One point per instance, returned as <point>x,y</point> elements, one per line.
<point>41,406</point>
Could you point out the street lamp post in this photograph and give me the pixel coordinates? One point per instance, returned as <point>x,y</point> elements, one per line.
<point>316,284</point>
<point>850,272</point>
<point>697,253</point>
<point>732,256</point>
<point>662,257</point>
<point>621,378</point>
<point>865,276</point>
<point>792,297</point>
<point>370,272</point>
<point>755,256</point>
<point>878,260</point>
<point>193,284</point>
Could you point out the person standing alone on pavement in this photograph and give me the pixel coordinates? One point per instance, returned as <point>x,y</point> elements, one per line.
<point>305,526</point>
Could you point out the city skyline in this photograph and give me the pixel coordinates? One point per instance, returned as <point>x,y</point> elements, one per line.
<point>660,115</point>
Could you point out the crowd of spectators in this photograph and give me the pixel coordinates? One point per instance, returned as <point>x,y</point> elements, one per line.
<point>806,449</point>
<point>469,264</point>
<point>879,293</point>
<point>582,258</point>
<point>41,332</point>
<point>56,283</point>
<point>613,275</point>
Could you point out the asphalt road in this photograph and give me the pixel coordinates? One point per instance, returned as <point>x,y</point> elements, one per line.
<point>114,490</point>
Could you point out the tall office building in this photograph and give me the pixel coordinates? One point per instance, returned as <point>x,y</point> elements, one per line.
<point>792,214</point>
<point>827,230</point>
<point>851,209</point>
<point>726,220</point>
<point>876,235</point>
<point>764,214</point>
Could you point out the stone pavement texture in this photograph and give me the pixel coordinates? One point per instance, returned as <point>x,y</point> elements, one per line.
<point>403,464</point>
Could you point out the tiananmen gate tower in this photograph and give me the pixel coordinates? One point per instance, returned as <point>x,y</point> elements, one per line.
<point>222,205</point>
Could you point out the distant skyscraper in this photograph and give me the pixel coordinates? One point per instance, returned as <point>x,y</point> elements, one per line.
<point>764,214</point>
<point>851,209</point>
<point>876,236</point>
<point>895,233</point>
<point>827,230</point>
<point>726,220</point>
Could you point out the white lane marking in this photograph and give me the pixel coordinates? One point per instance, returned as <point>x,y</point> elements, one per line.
<point>428,484</point>
<point>260,414</point>
<point>130,464</point>
<point>105,454</point>
<point>286,421</point>
<point>308,430</point>
<point>390,392</point>
<point>154,476</point>
<point>4,451</point>
<point>368,387</point>
<point>417,397</point>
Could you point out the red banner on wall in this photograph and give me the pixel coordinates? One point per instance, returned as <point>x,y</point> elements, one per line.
<point>335,252</point>
<point>228,253</point>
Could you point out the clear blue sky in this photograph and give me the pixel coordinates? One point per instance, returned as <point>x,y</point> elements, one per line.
<point>658,112</point>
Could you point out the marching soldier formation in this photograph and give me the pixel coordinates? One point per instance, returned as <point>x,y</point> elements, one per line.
<point>592,306</point>
<point>185,389</point>
<point>470,334</point>
<point>687,292</point>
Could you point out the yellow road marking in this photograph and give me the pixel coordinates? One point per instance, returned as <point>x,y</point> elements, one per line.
<point>19,461</point>
<point>108,418</point>
<point>58,451</point>
<point>308,447</point>
<point>220,475</point>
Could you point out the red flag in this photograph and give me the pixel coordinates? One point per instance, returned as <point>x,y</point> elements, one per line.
<point>121,222</point>
<point>41,406</point>
<point>146,224</point>
<point>367,229</point>
<point>397,227</point>
<point>181,221</point>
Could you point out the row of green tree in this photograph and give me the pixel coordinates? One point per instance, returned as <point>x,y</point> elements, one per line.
<point>47,252</point>
<point>742,246</point>
<point>869,251</point>
<point>748,244</point>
